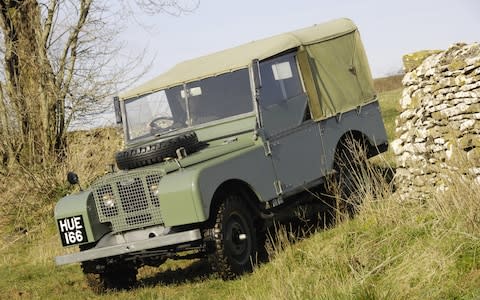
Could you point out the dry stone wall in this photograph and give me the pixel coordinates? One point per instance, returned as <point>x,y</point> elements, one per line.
<point>438,129</point>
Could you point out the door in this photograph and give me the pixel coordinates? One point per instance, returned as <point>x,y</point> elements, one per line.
<point>294,139</point>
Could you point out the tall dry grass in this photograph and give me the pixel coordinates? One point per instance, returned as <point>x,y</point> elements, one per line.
<point>391,249</point>
<point>388,83</point>
<point>28,196</point>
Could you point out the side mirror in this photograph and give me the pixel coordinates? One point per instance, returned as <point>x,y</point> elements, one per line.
<point>257,79</point>
<point>72,178</point>
<point>118,110</point>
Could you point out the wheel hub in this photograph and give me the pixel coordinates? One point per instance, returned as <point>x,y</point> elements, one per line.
<point>238,239</point>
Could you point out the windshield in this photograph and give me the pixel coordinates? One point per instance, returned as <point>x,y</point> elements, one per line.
<point>188,105</point>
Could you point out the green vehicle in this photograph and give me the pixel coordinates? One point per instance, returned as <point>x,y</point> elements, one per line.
<point>217,148</point>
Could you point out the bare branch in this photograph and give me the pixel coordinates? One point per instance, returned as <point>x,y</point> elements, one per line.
<point>171,7</point>
<point>61,59</point>
<point>47,28</point>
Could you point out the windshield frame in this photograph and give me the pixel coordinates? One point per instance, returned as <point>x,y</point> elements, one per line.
<point>249,91</point>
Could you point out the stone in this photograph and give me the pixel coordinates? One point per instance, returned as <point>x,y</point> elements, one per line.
<point>474,171</point>
<point>457,64</point>
<point>396,146</point>
<point>439,107</point>
<point>447,82</point>
<point>477,180</point>
<point>413,60</point>
<point>467,124</point>
<point>469,141</point>
<point>473,61</point>
<point>437,148</point>
<point>410,79</point>
<point>471,86</point>
<point>405,101</point>
<point>407,115</point>
<point>467,100</point>
<point>439,125</point>
<point>456,110</point>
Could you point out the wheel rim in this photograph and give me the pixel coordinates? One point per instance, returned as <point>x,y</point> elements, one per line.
<point>238,239</point>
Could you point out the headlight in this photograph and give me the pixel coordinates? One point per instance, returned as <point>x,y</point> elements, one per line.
<point>108,200</point>
<point>154,190</point>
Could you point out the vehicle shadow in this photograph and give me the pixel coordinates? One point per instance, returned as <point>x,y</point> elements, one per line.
<point>190,272</point>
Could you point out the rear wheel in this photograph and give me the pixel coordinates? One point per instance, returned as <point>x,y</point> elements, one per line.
<point>351,167</point>
<point>234,239</point>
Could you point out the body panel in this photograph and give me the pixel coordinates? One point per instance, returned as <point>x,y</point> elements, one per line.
<point>297,156</point>
<point>81,204</point>
<point>185,195</point>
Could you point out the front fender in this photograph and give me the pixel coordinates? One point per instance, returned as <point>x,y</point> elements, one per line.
<point>81,204</point>
<point>180,198</point>
<point>186,194</point>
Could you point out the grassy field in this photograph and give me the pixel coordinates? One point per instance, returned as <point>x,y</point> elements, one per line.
<point>392,249</point>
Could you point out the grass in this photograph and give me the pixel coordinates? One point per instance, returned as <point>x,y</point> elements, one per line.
<point>392,249</point>
<point>389,83</point>
<point>390,107</point>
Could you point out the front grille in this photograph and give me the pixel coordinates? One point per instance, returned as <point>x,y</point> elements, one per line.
<point>134,220</point>
<point>132,195</point>
<point>151,181</point>
<point>128,200</point>
<point>103,193</point>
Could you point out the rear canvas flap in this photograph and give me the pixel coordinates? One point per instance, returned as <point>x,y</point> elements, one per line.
<point>337,75</point>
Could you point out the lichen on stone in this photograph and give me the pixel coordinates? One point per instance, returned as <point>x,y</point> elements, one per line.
<point>412,60</point>
<point>439,124</point>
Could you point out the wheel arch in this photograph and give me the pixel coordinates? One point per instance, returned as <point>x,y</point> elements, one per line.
<point>355,135</point>
<point>239,186</point>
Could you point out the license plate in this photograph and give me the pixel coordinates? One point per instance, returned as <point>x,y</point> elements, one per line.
<point>72,230</point>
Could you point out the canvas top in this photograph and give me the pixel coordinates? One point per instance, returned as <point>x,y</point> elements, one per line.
<point>241,56</point>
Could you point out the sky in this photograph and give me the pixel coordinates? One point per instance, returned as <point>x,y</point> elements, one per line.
<point>389,29</point>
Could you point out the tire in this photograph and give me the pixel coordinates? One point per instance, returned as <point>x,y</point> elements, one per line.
<point>154,153</point>
<point>350,166</point>
<point>234,238</point>
<point>121,276</point>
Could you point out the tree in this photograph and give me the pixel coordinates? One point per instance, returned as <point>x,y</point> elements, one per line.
<point>57,64</point>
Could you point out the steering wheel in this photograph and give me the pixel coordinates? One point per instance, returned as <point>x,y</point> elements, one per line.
<point>160,123</point>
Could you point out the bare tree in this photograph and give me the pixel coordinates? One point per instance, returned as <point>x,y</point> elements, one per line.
<point>174,7</point>
<point>58,63</point>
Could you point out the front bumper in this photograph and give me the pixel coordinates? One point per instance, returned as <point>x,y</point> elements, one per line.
<point>130,247</point>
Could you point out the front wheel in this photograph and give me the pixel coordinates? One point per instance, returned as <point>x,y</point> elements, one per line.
<point>234,239</point>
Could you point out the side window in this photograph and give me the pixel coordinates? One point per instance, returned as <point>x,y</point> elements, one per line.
<point>220,97</point>
<point>280,80</point>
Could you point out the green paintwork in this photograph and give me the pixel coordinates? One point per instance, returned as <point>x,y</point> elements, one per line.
<point>213,130</point>
<point>218,148</point>
<point>82,204</point>
<point>177,200</point>
<point>186,194</point>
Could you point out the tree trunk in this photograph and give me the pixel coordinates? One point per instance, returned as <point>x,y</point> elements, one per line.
<point>55,53</point>
<point>30,89</point>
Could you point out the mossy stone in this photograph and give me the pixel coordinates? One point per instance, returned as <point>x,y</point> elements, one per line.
<point>413,60</point>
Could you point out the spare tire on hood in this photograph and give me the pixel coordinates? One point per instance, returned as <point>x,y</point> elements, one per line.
<point>157,152</point>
